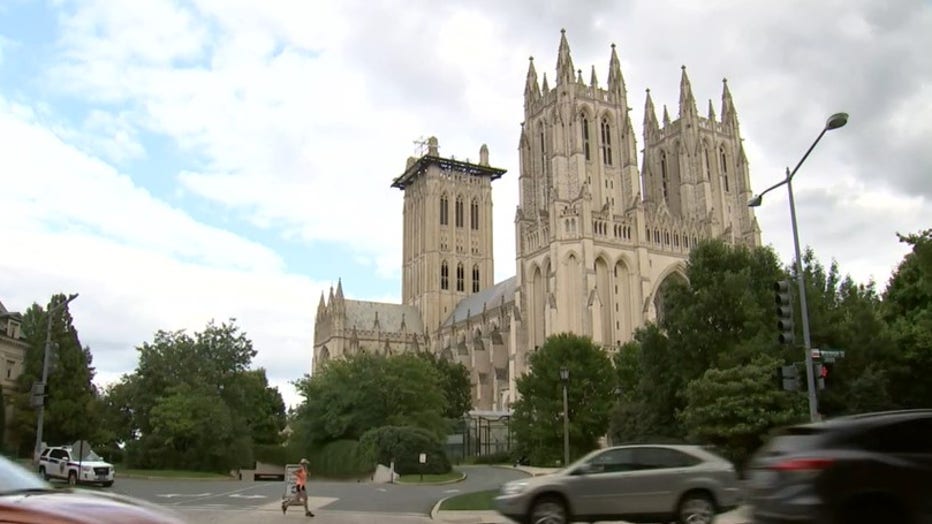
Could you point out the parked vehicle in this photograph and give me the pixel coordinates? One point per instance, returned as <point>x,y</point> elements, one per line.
<point>26,498</point>
<point>869,468</point>
<point>637,483</point>
<point>75,465</point>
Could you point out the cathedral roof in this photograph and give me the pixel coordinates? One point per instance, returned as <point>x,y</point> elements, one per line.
<point>363,316</point>
<point>490,297</point>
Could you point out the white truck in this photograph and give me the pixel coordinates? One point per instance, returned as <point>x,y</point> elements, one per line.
<point>70,464</point>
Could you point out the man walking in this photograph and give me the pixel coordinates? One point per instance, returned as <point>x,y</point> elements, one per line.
<point>300,496</point>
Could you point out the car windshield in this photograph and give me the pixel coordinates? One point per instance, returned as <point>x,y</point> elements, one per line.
<point>16,479</point>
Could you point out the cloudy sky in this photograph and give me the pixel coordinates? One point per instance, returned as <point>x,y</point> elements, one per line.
<point>175,161</point>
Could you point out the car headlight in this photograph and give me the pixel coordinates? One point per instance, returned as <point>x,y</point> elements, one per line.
<point>513,488</point>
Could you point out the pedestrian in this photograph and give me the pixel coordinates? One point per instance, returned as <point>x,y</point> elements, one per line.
<point>300,495</point>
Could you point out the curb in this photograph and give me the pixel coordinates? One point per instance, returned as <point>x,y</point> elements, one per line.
<point>151,477</point>
<point>441,483</point>
<point>436,509</point>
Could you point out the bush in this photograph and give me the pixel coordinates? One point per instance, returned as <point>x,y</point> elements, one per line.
<point>403,445</point>
<point>340,459</point>
<point>502,457</point>
<point>274,454</point>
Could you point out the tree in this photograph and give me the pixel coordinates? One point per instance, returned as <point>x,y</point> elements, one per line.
<point>733,408</point>
<point>907,309</point>
<point>348,397</point>
<point>455,385</point>
<point>72,409</point>
<point>537,421</point>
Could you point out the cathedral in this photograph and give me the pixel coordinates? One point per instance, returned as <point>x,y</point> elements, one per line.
<point>597,236</point>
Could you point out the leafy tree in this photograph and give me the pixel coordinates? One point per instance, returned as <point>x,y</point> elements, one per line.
<point>72,410</point>
<point>907,309</point>
<point>455,385</point>
<point>538,414</point>
<point>732,408</point>
<point>350,396</point>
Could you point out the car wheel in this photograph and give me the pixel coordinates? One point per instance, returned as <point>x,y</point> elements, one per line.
<point>696,508</point>
<point>72,478</point>
<point>42,473</point>
<point>548,510</point>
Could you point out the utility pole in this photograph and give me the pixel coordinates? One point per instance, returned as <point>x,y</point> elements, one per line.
<point>40,416</point>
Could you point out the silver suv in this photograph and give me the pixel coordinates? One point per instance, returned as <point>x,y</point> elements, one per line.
<point>638,483</point>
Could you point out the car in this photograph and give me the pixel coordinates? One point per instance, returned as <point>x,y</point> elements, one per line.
<point>75,465</point>
<point>867,468</point>
<point>635,483</point>
<point>27,498</point>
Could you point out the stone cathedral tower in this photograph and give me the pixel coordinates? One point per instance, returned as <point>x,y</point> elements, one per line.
<point>597,237</point>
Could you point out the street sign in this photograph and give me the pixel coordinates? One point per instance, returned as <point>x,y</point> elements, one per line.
<point>422,458</point>
<point>832,355</point>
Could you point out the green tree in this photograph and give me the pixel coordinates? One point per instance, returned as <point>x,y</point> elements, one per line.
<point>538,423</point>
<point>907,309</point>
<point>350,396</point>
<point>72,409</point>
<point>733,408</point>
<point>455,385</point>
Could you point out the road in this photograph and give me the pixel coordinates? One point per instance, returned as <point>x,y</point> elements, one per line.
<point>227,495</point>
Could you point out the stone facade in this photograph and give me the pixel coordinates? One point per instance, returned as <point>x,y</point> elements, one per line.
<point>12,354</point>
<point>596,236</point>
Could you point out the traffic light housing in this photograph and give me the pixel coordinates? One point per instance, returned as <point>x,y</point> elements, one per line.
<point>788,377</point>
<point>784,301</point>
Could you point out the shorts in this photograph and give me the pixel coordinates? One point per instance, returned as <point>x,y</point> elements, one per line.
<point>300,489</point>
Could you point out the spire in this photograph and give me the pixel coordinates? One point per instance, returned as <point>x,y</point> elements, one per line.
<point>687,101</point>
<point>531,89</point>
<point>729,115</point>
<point>666,116</point>
<point>579,79</point>
<point>593,81</point>
<point>616,83</point>
<point>339,289</point>
<point>711,111</point>
<point>321,306</point>
<point>330,299</point>
<point>564,62</point>
<point>650,117</point>
<point>544,87</point>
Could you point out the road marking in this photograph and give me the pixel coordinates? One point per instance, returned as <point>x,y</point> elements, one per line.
<point>226,494</point>
<point>173,495</point>
<point>452,491</point>
<point>238,496</point>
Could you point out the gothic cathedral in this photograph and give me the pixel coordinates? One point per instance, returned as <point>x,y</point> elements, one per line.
<point>597,238</point>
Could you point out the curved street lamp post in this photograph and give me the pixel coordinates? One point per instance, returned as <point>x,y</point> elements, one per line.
<point>834,122</point>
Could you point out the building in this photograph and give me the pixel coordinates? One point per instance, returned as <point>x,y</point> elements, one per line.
<point>12,354</point>
<point>597,236</point>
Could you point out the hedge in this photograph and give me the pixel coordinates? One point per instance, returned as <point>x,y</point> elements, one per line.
<point>403,445</point>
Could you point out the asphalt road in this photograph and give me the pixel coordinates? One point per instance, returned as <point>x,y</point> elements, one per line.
<point>399,500</point>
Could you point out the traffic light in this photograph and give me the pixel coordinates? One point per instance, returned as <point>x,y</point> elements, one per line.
<point>820,373</point>
<point>784,300</point>
<point>788,377</point>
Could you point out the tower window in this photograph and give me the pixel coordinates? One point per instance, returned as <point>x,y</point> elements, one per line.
<point>723,159</point>
<point>475,278</point>
<point>444,210</point>
<point>444,275</point>
<point>663,173</point>
<point>708,167</point>
<point>460,278</point>
<point>474,215</point>
<point>585,137</point>
<point>459,211</point>
<point>606,142</point>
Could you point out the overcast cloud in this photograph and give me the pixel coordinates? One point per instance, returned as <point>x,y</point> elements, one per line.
<point>156,155</point>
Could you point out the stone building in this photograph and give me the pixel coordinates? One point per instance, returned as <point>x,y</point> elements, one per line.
<point>12,353</point>
<point>597,236</point>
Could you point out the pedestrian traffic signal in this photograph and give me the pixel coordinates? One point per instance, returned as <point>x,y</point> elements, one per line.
<point>788,377</point>
<point>784,302</point>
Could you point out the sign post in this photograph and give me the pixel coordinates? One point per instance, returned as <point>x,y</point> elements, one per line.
<point>422,459</point>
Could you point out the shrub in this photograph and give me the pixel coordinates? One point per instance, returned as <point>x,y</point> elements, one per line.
<point>340,459</point>
<point>403,445</point>
<point>273,454</point>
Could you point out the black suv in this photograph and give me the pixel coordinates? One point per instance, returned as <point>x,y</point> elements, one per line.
<point>872,468</point>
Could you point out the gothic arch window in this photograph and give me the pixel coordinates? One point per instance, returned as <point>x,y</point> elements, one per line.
<point>663,173</point>
<point>708,164</point>
<point>460,277</point>
<point>444,210</point>
<point>585,136</point>
<point>475,278</point>
<point>444,275</point>
<point>606,142</point>
<point>723,160</point>
<point>459,211</point>
<point>474,215</point>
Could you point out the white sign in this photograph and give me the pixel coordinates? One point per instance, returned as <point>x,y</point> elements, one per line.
<point>422,458</point>
<point>290,486</point>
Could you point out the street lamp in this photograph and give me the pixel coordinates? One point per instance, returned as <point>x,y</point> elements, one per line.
<point>834,122</point>
<point>40,417</point>
<point>564,378</point>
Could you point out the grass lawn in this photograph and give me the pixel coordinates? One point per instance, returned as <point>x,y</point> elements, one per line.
<point>169,474</point>
<point>430,478</point>
<point>476,501</point>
